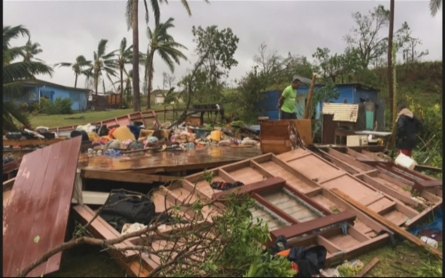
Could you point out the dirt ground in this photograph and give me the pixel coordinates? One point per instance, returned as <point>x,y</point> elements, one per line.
<point>88,261</point>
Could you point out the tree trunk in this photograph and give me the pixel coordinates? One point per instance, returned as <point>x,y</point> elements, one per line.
<point>75,81</point>
<point>122,86</point>
<point>136,92</point>
<point>96,83</point>
<point>150,77</point>
<point>390,73</point>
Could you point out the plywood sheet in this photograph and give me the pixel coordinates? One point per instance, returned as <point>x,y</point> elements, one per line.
<point>310,165</point>
<point>342,112</point>
<point>36,217</point>
<point>290,178</point>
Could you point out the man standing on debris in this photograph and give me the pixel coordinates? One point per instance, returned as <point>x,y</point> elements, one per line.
<point>408,126</point>
<point>287,100</point>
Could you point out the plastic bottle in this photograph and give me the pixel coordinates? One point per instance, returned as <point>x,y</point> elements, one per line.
<point>431,242</point>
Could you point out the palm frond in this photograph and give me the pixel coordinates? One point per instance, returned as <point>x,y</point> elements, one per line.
<point>187,7</point>
<point>12,114</point>
<point>167,59</point>
<point>10,33</point>
<point>156,10</point>
<point>435,6</point>
<point>101,47</point>
<point>81,60</point>
<point>129,13</point>
<point>24,70</point>
<point>63,65</point>
<point>123,45</point>
<point>13,89</point>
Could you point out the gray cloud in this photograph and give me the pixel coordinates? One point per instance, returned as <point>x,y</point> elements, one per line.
<point>66,29</point>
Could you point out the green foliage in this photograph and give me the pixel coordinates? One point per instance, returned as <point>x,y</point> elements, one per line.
<point>215,49</point>
<point>266,266</point>
<point>237,246</point>
<point>59,106</point>
<point>15,72</point>
<point>250,93</point>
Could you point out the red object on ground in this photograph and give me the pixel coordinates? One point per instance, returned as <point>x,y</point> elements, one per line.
<point>406,152</point>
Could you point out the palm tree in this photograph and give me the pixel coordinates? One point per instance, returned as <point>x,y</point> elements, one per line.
<point>102,62</point>
<point>390,63</point>
<point>435,6</point>
<point>165,45</point>
<point>30,50</point>
<point>14,73</point>
<point>131,15</point>
<point>123,58</point>
<point>78,67</point>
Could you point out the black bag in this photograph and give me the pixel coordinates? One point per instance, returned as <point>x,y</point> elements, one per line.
<point>123,208</point>
<point>309,260</point>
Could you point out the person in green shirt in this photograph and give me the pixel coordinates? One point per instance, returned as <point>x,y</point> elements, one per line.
<point>286,103</point>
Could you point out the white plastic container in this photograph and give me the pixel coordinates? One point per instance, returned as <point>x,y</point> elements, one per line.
<point>431,242</point>
<point>405,161</point>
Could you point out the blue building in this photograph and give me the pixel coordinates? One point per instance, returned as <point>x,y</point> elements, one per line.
<point>34,90</point>
<point>349,93</point>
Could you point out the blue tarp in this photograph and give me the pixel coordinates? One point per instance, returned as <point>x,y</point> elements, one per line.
<point>436,225</point>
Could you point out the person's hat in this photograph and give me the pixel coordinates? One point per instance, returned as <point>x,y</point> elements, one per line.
<point>295,79</point>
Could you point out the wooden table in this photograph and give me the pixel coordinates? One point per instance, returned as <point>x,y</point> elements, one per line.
<point>342,133</point>
<point>168,161</point>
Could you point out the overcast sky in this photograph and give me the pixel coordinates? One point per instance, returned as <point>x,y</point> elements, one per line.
<point>66,29</point>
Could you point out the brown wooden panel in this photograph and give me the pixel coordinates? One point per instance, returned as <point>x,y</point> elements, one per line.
<point>316,224</point>
<point>258,187</point>
<point>328,129</point>
<point>274,135</point>
<point>41,200</point>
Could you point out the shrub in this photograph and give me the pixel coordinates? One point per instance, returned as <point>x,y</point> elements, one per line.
<point>24,106</point>
<point>59,106</point>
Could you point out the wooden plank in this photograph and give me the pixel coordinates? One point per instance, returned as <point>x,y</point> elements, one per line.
<point>31,142</point>
<point>416,241</point>
<point>274,209</point>
<point>348,168</point>
<point>367,267</point>
<point>41,199</point>
<point>258,187</point>
<point>349,160</point>
<point>311,225</point>
<point>125,176</point>
<point>388,190</point>
<point>92,198</point>
<point>7,185</point>
<point>101,229</point>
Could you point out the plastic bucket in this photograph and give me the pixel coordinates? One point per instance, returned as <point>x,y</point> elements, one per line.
<point>405,161</point>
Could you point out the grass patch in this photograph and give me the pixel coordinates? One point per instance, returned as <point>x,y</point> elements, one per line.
<point>404,260</point>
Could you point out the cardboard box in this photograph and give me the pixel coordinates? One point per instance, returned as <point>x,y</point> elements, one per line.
<point>364,140</point>
<point>353,140</point>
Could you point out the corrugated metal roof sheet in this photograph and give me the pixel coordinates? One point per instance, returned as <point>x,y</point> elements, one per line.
<point>36,216</point>
<point>342,112</point>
